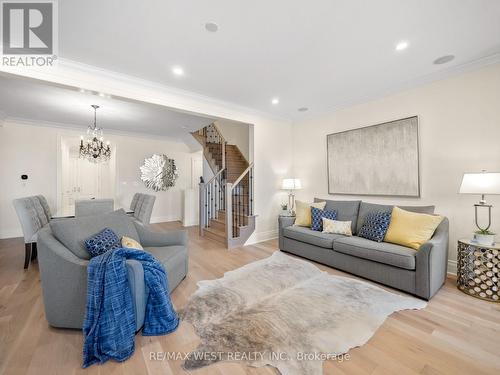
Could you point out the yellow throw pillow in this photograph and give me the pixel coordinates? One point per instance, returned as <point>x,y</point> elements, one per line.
<point>131,243</point>
<point>337,227</point>
<point>411,229</point>
<point>303,212</point>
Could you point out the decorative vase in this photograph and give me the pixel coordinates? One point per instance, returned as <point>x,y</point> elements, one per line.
<point>484,239</point>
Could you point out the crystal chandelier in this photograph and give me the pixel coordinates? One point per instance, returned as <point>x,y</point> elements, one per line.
<point>93,148</point>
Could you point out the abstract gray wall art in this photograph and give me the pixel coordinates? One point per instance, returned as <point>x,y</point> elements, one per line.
<point>375,160</point>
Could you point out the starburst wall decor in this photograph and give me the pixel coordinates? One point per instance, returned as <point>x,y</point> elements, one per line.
<point>159,172</point>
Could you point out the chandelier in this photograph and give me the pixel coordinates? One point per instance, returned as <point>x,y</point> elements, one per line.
<point>93,148</point>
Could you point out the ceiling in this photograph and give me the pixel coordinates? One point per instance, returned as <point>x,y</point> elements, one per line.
<point>36,101</point>
<point>320,54</point>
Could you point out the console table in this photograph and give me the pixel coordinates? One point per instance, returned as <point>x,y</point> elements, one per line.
<point>478,270</point>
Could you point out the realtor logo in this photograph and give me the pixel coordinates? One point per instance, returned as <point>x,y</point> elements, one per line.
<point>28,29</point>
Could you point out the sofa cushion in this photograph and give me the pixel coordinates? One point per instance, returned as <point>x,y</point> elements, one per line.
<point>303,212</point>
<point>102,242</point>
<point>131,243</point>
<point>337,227</point>
<point>375,226</point>
<point>365,208</point>
<point>309,236</point>
<point>346,211</point>
<point>410,228</point>
<point>174,259</point>
<point>382,252</point>
<point>317,216</point>
<point>72,233</point>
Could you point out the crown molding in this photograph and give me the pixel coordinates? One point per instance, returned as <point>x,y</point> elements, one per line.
<point>19,121</point>
<point>92,78</point>
<point>450,72</point>
<point>83,76</point>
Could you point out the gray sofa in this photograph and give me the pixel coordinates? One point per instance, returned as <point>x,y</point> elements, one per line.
<point>420,272</point>
<point>63,261</point>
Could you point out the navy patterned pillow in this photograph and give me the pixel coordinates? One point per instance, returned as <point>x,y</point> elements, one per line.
<point>375,226</point>
<point>101,242</point>
<point>317,216</point>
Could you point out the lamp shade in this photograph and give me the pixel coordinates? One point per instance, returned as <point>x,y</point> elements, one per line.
<point>480,183</point>
<point>291,184</point>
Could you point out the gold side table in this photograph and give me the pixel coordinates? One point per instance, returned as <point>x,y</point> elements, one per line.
<point>478,270</point>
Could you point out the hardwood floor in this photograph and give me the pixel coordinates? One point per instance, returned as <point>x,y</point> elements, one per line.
<point>455,334</point>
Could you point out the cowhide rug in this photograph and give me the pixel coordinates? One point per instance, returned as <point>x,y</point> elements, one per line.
<point>272,311</point>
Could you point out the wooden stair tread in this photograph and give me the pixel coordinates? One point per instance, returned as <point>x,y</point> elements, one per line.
<point>215,231</point>
<point>218,220</point>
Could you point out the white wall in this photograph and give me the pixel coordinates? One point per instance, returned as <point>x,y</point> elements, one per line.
<point>459,126</point>
<point>236,134</point>
<point>33,150</point>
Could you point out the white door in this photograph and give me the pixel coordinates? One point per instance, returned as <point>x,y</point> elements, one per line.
<point>80,180</point>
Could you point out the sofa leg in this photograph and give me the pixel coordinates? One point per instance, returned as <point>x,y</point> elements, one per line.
<point>27,255</point>
<point>34,251</point>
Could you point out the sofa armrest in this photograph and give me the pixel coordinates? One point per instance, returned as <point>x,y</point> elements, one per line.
<point>139,290</point>
<point>64,282</point>
<point>432,262</point>
<point>150,237</point>
<point>283,222</point>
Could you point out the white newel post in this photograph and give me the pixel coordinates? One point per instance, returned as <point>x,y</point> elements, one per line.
<point>229,213</point>
<point>202,209</point>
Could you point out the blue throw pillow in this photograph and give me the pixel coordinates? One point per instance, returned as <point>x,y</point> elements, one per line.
<point>317,216</point>
<point>101,242</point>
<point>375,226</point>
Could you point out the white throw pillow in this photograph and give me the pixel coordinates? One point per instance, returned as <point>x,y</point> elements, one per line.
<point>337,227</point>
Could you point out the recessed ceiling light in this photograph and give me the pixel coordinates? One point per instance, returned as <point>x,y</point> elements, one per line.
<point>275,101</point>
<point>443,59</point>
<point>303,109</point>
<point>402,45</point>
<point>211,27</point>
<point>178,71</point>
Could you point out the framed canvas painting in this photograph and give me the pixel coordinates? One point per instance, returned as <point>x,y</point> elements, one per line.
<point>380,159</point>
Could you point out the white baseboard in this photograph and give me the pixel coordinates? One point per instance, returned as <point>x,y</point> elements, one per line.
<point>163,219</point>
<point>189,223</point>
<point>452,267</point>
<point>11,233</point>
<point>262,236</point>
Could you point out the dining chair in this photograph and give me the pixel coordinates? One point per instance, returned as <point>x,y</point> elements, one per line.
<point>92,207</point>
<point>34,214</point>
<point>142,207</point>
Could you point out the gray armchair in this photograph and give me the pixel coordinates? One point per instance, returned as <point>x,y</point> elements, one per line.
<point>63,263</point>
<point>92,207</point>
<point>34,214</point>
<point>142,205</point>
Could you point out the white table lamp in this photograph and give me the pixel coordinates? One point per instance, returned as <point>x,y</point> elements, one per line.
<point>291,184</point>
<point>483,183</point>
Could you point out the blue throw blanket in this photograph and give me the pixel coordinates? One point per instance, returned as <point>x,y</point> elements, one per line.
<point>109,326</point>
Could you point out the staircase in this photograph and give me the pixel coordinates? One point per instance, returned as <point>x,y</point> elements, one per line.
<point>226,200</point>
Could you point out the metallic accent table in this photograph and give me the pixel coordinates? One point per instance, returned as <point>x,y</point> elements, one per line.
<point>478,270</point>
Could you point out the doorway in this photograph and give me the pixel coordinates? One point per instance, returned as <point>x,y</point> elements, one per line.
<point>81,179</point>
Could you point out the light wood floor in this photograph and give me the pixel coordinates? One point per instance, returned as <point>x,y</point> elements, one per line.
<point>455,334</point>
